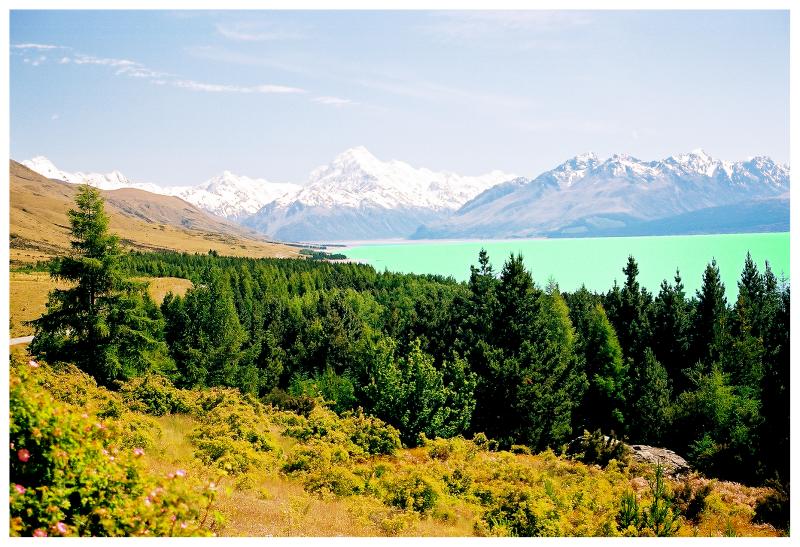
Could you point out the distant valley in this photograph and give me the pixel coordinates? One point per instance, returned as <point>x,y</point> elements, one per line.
<point>360,197</point>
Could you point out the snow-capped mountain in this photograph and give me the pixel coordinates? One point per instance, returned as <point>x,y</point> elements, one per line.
<point>109,181</point>
<point>620,195</point>
<point>234,197</point>
<point>228,195</point>
<point>359,196</point>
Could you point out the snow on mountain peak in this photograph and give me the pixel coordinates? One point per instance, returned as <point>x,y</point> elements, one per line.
<point>357,179</point>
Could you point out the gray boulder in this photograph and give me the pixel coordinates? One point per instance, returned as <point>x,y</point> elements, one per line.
<point>672,463</point>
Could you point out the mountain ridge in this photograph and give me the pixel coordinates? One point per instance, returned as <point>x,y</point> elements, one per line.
<point>614,193</point>
<point>358,196</point>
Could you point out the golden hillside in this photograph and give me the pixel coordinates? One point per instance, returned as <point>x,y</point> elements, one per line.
<point>40,229</point>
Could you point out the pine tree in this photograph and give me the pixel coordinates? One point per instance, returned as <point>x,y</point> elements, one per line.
<point>632,324</point>
<point>205,334</point>
<point>551,377</point>
<point>710,318</point>
<point>603,405</point>
<point>651,420</point>
<point>671,327</point>
<point>106,324</point>
<point>516,296</point>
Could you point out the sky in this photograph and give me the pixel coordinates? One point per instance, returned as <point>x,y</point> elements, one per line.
<point>175,97</point>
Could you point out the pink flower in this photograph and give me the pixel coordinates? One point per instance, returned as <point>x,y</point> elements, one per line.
<point>147,500</point>
<point>40,533</point>
<point>173,518</point>
<point>61,528</point>
<point>184,524</point>
<point>33,364</point>
<point>19,488</point>
<point>180,473</point>
<point>23,455</point>
<point>11,445</point>
<point>138,452</point>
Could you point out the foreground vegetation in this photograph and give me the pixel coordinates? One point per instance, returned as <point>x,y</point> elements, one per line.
<point>150,459</point>
<point>402,359</point>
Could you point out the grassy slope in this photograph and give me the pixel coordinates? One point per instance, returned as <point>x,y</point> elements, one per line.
<point>263,498</point>
<point>28,295</point>
<point>40,229</point>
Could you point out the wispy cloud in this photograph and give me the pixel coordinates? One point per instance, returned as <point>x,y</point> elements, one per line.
<point>39,47</point>
<point>135,69</point>
<point>54,117</point>
<point>333,101</point>
<point>35,61</point>
<point>224,88</point>
<point>253,32</point>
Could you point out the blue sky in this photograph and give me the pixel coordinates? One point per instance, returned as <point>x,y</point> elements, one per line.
<point>177,97</point>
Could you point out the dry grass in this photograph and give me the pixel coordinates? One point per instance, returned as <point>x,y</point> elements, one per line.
<point>29,290</point>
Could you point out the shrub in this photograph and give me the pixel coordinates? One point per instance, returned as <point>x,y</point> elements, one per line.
<point>520,449</point>
<point>301,404</point>
<point>628,516</point>
<point>69,477</point>
<point>774,507</point>
<point>519,512</point>
<point>337,391</point>
<point>232,434</point>
<point>691,501</point>
<point>154,394</point>
<point>414,492</point>
<point>458,482</point>
<point>372,435</point>
<point>596,448</point>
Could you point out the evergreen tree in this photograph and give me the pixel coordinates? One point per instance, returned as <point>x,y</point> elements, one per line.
<point>205,334</point>
<point>603,405</point>
<point>710,318</point>
<point>551,377</point>
<point>751,292</point>
<point>516,296</point>
<point>632,324</point>
<point>774,393</point>
<point>671,328</point>
<point>106,324</point>
<point>651,420</point>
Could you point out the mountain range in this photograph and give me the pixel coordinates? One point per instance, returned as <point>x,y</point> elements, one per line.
<point>359,197</point>
<point>229,196</point>
<point>39,226</point>
<point>586,196</point>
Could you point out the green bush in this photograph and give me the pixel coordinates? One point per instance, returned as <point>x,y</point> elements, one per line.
<point>596,448</point>
<point>414,492</point>
<point>372,435</point>
<point>521,513</point>
<point>154,394</point>
<point>70,477</point>
<point>301,404</point>
<point>233,432</point>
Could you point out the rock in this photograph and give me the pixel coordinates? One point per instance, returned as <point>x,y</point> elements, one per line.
<point>672,463</point>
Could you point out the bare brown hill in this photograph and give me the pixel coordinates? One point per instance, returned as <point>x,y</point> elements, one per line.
<point>39,226</point>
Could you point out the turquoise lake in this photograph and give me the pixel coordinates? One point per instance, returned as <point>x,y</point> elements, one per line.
<point>595,262</point>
